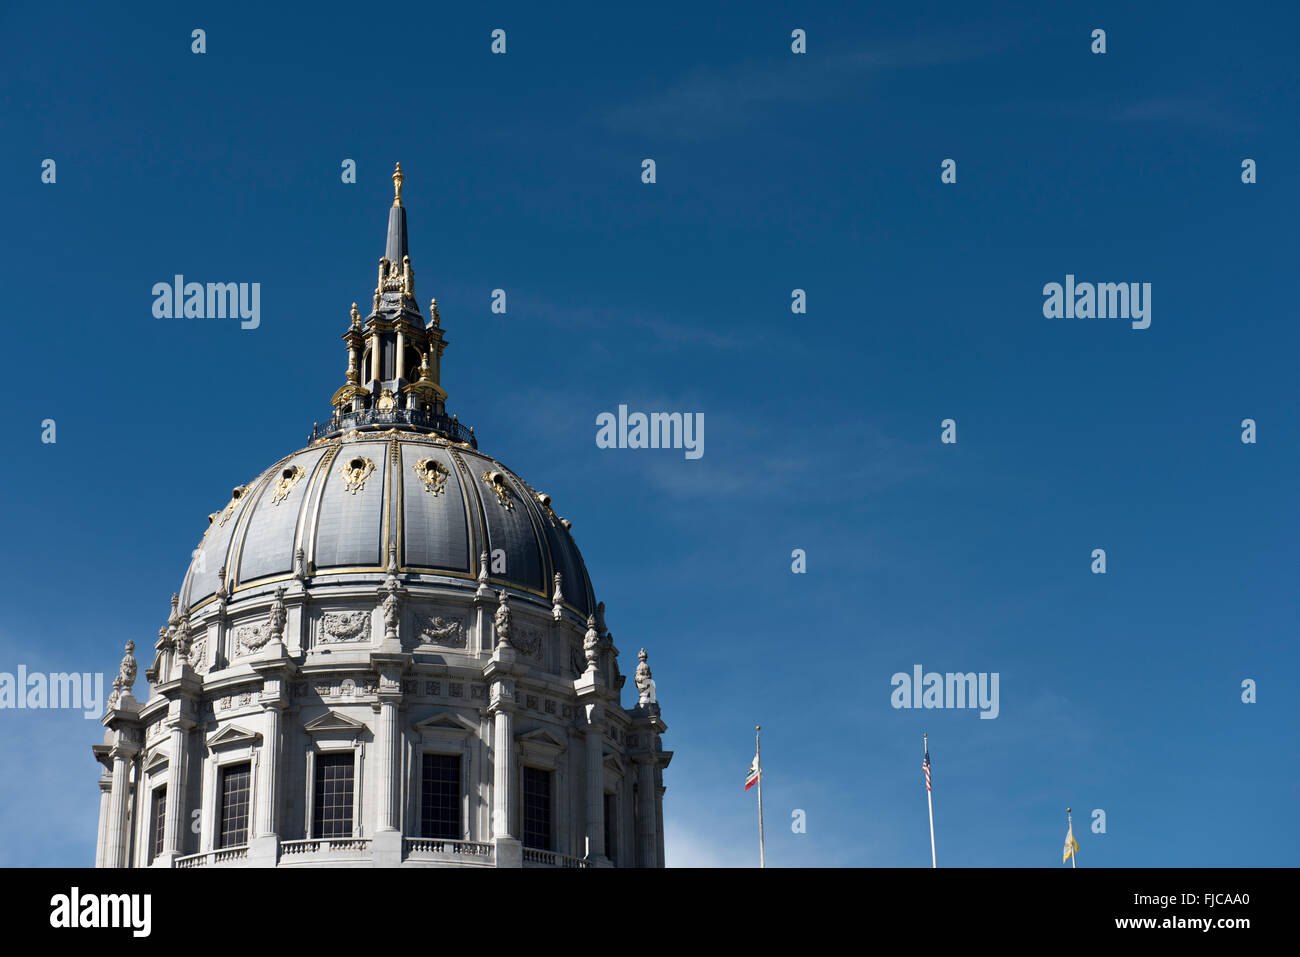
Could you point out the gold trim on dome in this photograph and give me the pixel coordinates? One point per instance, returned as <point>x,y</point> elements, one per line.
<point>235,545</point>
<point>543,543</point>
<point>433,474</point>
<point>496,481</point>
<point>545,501</point>
<point>429,570</point>
<point>426,389</point>
<point>286,482</point>
<point>355,471</point>
<point>313,506</point>
<point>386,401</point>
<point>236,494</point>
<point>346,393</point>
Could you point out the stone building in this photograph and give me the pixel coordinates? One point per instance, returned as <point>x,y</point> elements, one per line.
<point>386,651</point>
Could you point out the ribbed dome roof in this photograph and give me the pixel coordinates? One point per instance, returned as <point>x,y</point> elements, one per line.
<point>344,501</point>
<point>390,468</point>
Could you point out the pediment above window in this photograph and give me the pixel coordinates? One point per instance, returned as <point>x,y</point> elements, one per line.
<point>233,736</point>
<point>333,723</point>
<point>446,722</point>
<point>540,747</point>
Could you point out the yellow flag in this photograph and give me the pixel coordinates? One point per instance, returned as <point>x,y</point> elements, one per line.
<point>1071,845</point>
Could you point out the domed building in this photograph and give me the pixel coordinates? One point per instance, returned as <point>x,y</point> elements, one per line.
<point>386,651</point>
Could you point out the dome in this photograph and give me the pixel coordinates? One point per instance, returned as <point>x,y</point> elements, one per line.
<point>386,651</point>
<point>346,501</point>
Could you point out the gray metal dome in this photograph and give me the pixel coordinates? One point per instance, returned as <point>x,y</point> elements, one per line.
<point>345,500</point>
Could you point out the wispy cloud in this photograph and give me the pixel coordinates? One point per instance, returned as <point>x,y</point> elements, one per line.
<point>742,460</point>
<point>684,847</point>
<point>710,101</point>
<point>657,332</point>
<point>1203,111</point>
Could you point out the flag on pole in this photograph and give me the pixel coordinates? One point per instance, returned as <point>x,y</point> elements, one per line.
<point>753,774</point>
<point>1071,845</point>
<point>929,795</point>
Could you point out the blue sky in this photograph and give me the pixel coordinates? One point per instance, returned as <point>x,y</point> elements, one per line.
<point>774,172</point>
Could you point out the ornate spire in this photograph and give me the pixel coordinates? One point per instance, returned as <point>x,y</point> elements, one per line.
<point>394,357</point>
<point>395,251</point>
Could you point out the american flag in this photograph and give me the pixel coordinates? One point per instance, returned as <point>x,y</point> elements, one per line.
<point>926,765</point>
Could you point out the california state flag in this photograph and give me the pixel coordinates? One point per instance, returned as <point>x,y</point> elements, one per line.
<point>1071,845</point>
<point>753,774</point>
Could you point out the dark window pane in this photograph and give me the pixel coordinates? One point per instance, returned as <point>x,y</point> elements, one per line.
<point>334,779</point>
<point>537,808</point>
<point>235,784</point>
<point>159,821</point>
<point>440,797</point>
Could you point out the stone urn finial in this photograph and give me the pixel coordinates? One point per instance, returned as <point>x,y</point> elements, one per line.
<point>557,600</point>
<point>127,671</point>
<point>645,684</point>
<point>503,620</point>
<point>591,643</point>
<point>278,615</point>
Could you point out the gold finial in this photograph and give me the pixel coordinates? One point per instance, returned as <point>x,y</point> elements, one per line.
<point>398,178</point>
<point>434,318</point>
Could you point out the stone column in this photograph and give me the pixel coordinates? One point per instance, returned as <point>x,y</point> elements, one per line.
<point>386,760</point>
<point>503,759</point>
<point>267,821</point>
<point>277,672</point>
<point>118,840</point>
<point>388,763</point>
<point>105,809</point>
<point>595,784</point>
<point>500,673</point>
<point>647,841</point>
<point>177,772</point>
<point>589,689</point>
<point>509,849</point>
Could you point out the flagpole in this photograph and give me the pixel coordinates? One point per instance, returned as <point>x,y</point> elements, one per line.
<point>929,797</point>
<point>1073,853</point>
<point>758,758</point>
